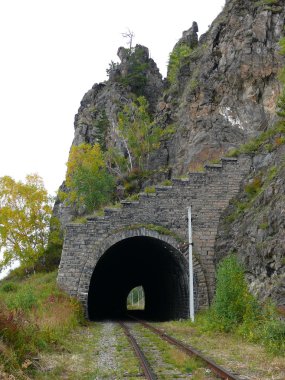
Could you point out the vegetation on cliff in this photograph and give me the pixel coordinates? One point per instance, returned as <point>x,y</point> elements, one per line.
<point>94,174</point>
<point>89,184</point>
<point>252,226</point>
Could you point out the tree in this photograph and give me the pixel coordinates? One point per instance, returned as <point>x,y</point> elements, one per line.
<point>88,181</point>
<point>136,73</point>
<point>176,61</point>
<point>139,133</point>
<point>25,212</point>
<point>129,35</point>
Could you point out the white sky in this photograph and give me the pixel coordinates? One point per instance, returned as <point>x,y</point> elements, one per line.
<point>53,51</point>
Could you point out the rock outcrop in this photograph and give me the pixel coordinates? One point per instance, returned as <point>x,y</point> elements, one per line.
<point>225,93</point>
<point>228,87</point>
<point>253,226</point>
<point>96,119</point>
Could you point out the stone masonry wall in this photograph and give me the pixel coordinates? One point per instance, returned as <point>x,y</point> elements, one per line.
<point>208,193</point>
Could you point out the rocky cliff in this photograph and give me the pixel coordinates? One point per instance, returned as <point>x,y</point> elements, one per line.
<point>228,86</point>
<point>224,93</point>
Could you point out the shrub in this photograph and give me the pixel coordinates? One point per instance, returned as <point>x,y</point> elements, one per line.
<point>253,188</point>
<point>9,287</point>
<point>176,59</point>
<point>136,76</point>
<point>273,336</point>
<point>233,304</point>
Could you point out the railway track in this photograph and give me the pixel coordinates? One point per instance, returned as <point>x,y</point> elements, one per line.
<point>147,370</point>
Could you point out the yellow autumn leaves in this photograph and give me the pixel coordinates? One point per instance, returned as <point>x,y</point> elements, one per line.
<point>25,212</point>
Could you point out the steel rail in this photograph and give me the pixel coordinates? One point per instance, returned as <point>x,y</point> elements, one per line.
<point>189,350</point>
<point>149,374</point>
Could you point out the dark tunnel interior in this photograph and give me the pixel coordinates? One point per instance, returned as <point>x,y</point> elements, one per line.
<point>155,265</point>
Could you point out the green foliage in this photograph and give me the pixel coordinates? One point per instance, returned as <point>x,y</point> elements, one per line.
<point>149,189</point>
<point>262,141</point>
<point>266,2</point>
<point>88,182</point>
<point>133,197</point>
<point>9,287</point>
<point>116,162</point>
<point>137,67</point>
<point>233,304</point>
<point>81,220</point>
<point>24,300</point>
<point>113,66</point>
<point>25,216</point>
<point>264,226</point>
<point>50,259</point>
<point>35,316</point>
<point>139,133</point>
<point>176,60</point>
<point>281,100</point>
<point>154,227</point>
<point>101,124</point>
<point>140,136</point>
<point>282,45</point>
<point>254,187</point>
<point>252,190</point>
<point>273,335</point>
<point>235,309</point>
<point>133,181</point>
<point>167,182</point>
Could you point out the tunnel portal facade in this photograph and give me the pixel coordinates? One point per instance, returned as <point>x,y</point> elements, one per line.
<point>145,243</point>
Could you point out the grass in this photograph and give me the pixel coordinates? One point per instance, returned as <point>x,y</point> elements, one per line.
<point>76,359</point>
<point>149,190</point>
<point>266,2</point>
<point>252,190</point>
<point>173,359</point>
<point>167,182</point>
<point>153,227</point>
<point>267,141</point>
<point>133,198</point>
<point>230,350</point>
<point>196,167</point>
<point>34,316</point>
<point>126,359</point>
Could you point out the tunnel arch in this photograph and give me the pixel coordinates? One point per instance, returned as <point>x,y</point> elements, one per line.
<point>145,261</point>
<point>162,260</point>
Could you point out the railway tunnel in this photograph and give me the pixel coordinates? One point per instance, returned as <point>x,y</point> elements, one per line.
<point>155,265</point>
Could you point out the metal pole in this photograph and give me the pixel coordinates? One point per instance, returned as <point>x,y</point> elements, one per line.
<point>190,259</point>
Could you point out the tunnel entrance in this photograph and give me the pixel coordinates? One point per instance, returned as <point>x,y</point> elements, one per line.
<point>149,262</point>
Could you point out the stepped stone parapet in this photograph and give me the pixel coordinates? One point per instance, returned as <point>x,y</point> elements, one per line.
<point>151,230</point>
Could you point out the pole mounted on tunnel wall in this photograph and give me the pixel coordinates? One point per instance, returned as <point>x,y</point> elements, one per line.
<point>190,259</point>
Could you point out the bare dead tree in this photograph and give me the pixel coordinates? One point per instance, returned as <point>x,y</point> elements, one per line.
<point>130,36</point>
